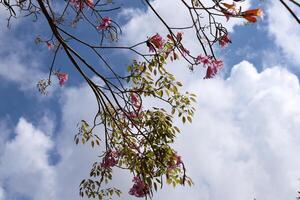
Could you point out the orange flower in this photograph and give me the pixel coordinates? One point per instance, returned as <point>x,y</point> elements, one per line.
<point>251,15</point>
<point>254,12</point>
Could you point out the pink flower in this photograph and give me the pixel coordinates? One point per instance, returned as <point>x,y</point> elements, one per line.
<point>213,66</point>
<point>205,60</point>
<point>133,115</point>
<point>90,3</point>
<point>175,162</point>
<point>139,188</point>
<point>79,4</point>
<point>155,42</point>
<point>62,77</point>
<point>213,69</point>
<point>179,36</point>
<point>106,21</point>
<point>50,45</point>
<point>134,99</point>
<point>178,160</point>
<point>218,64</point>
<point>110,159</point>
<point>209,73</point>
<point>224,40</point>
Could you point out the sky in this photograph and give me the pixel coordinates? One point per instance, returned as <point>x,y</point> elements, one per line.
<point>244,139</point>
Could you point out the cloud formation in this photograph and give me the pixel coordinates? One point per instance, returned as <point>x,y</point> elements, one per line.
<point>285,30</point>
<point>24,166</point>
<point>19,64</point>
<point>244,140</point>
<point>242,144</point>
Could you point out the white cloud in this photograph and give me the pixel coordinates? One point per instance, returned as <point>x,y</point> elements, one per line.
<point>24,166</point>
<point>247,143</point>
<point>2,194</point>
<point>20,64</point>
<point>4,131</point>
<point>13,69</point>
<point>77,103</point>
<point>243,142</point>
<point>244,139</point>
<point>3,20</point>
<point>285,30</point>
<point>47,123</point>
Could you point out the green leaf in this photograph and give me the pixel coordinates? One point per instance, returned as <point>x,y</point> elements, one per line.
<point>175,88</point>
<point>160,93</point>
<point>183,119</point>
<point>129,68</point>
<point>193,99</point>
<point>173,111</point>
<point>179,83</point>
<point>155,186</point>
<point>189,119</point>
<point>177,129</point>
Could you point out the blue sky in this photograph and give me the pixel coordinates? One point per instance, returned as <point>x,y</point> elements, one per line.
<point>244,141</point>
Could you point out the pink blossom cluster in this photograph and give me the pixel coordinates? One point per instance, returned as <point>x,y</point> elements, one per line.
<point>179,36</point>
<point>213,65</point>
<point>176,162</point>
<point>133,115</point>
<point>224,40</point>
<point>139,188</point>
<point>134,99</point>
<point>106,21</point>
<point>136,102</point>
<point>182,48</point>
<point>79,4</point>
<point>155,43</point>
<point>110,159</point>
<point>62,77</point>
